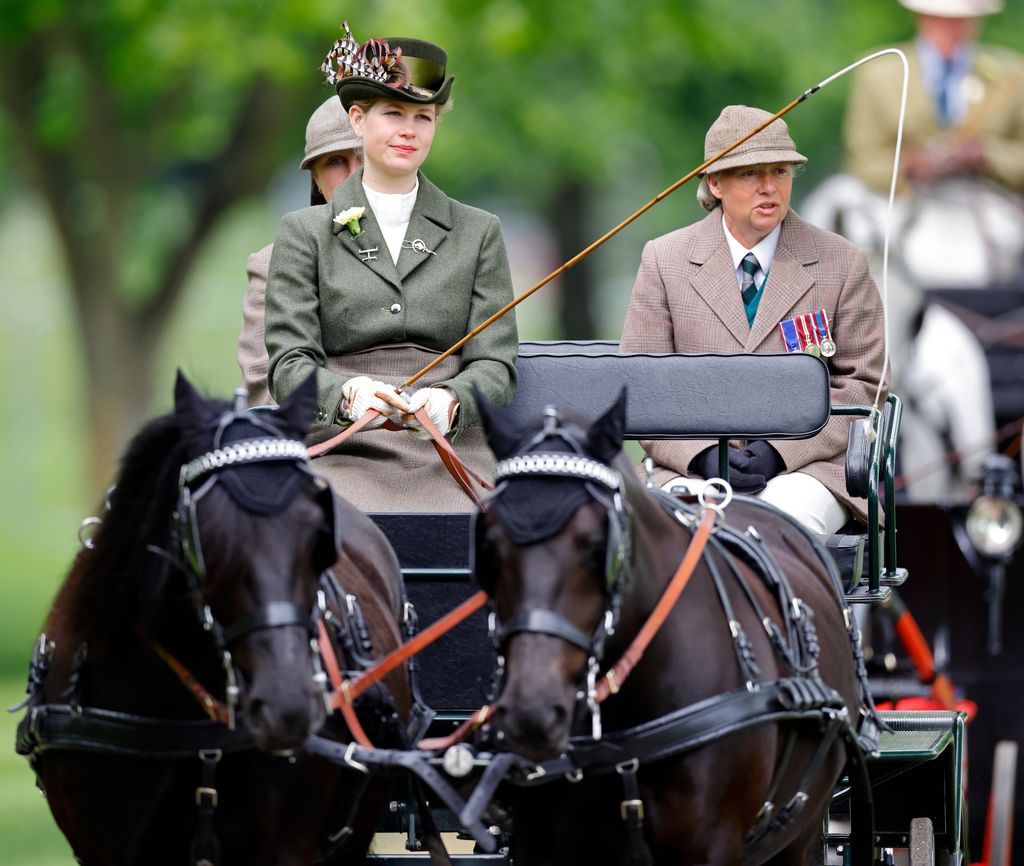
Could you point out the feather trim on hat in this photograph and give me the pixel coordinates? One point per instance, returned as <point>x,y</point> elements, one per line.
<point>373,59</point>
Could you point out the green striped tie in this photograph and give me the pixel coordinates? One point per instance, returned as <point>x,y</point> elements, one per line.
<point>749,288</point>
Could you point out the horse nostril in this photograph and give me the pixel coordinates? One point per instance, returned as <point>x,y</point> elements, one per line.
<point>560,715</point>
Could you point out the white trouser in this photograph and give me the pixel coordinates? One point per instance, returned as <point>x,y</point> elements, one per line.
<point>802,497</point>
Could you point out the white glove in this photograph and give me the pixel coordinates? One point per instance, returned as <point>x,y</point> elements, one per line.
<point>441,408</point>
<point>360,392</point>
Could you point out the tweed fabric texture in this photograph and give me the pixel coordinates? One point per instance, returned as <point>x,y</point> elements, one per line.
<point>771,144</point>
<point>386,470</point>
<point>328,131</point>
<point>328,296</point>
<point>685,300</point>
<point>251,351</point>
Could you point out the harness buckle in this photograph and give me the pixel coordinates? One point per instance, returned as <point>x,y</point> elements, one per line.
<point>206,797</point>
<point>352,762</point>
<point>632,809</point>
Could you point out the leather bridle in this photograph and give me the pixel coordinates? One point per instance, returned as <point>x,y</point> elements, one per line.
<point>604,485</point>
<point>196,479</point>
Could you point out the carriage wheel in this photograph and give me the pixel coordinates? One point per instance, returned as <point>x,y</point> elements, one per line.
<point>922,842</point>
<point>999,831</point>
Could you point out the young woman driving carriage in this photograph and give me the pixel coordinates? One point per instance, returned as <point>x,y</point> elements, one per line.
<point>371,286</point>
<point>752,276</point>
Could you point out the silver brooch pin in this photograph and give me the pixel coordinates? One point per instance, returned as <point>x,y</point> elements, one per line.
<point>417,246</point>
<point>368,255</point>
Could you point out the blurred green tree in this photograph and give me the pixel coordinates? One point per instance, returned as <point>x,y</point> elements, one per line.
<point>141,124</point>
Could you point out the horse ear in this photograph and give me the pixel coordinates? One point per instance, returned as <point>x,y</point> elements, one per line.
<point>503,435</point>
<point>298,407</point>
<point>604,440</point>
<point>189,404</point>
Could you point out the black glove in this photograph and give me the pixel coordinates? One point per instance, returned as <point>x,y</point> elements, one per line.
<point>758,458</point>
<point>742,480</point>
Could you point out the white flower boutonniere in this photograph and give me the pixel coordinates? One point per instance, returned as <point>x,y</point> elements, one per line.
<point>350,219</point>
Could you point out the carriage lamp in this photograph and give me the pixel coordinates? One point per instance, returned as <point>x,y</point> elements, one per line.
<point>994,523</point>
<point>988,536</point>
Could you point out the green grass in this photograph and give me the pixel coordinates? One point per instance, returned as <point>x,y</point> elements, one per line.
<point>28,834</point>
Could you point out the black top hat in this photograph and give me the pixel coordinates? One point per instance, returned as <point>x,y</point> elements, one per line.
<point>409,70</point>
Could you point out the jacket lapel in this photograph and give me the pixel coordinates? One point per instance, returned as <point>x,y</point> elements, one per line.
<point>788,280</point>
<point>429,224</point>
<point>716,282</point>
<point>350,194</point>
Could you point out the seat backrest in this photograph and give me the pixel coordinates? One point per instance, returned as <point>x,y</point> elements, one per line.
<point>743,396</point>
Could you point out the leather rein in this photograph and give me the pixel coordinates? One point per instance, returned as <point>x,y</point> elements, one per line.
<point>464,476</point>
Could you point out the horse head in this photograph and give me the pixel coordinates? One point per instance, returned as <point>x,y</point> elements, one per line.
<point>551,550</point>
<point>256,528</point>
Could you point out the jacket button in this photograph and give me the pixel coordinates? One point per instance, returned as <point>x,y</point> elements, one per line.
<point>396,308</point>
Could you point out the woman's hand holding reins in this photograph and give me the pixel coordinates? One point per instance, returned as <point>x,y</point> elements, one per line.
<point>441,407</point>
<point>362,393</point>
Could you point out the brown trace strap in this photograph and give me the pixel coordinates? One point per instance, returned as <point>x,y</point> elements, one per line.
<point>401,654</point>
<point>612,681</point>
<point>214,708</point>
<point>339,697</point>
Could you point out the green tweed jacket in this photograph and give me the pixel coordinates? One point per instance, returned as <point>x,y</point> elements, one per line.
<point>331,293</point>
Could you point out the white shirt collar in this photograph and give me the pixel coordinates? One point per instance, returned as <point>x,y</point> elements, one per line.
<point>392,209</point>
<point>764,251</point>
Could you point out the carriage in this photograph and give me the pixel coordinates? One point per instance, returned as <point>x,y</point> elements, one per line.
<point>915,777</point>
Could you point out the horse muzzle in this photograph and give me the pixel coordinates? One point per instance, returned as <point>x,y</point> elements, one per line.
<point>283,705</point>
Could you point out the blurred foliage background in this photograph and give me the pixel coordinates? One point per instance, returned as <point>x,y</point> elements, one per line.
<point>146,148</point>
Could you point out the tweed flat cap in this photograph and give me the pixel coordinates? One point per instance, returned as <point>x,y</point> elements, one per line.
<point>771,144</point>
<point>954,8</point>
<point>328,131</point>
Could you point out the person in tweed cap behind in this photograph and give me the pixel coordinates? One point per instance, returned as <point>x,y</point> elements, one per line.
<point>333,152</point>
<point>752,276</point>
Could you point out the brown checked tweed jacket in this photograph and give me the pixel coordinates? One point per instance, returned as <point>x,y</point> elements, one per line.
<point>686,299</point>
<point>252,350</point>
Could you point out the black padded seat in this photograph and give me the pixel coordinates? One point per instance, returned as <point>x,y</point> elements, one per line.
<point>770,396</point>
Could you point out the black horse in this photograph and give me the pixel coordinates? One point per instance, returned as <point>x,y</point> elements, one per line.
<point>178,678</point>
<point>724,744</point>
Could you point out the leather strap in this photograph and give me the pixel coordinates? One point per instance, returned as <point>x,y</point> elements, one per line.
<point>88,729</point>
<point>463,475</point>
<point>274,614</point>
<point>540,621</point>
<point>411,647</point>
<point>341,699</point>
<point>612,681</point>
<point>215,709</point>
<point>335,441</point>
